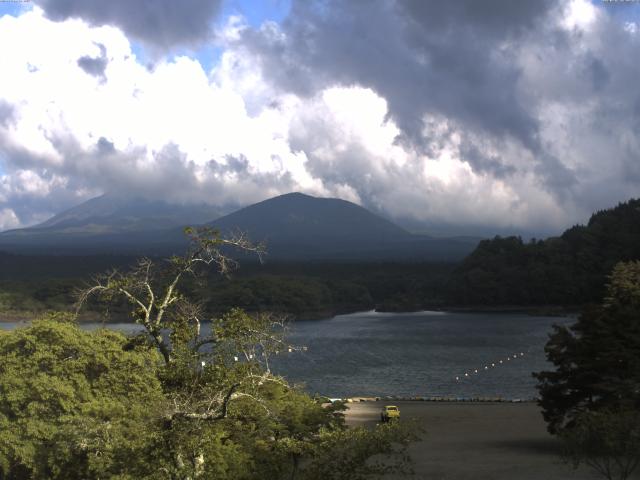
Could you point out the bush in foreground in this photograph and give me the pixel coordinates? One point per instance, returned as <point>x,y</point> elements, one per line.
<point>75,404</point>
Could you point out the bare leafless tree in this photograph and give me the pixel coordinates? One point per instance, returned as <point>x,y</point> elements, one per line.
<point>242,342</point>
<point>153,290</point>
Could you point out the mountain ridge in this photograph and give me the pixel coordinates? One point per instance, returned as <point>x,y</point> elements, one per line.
<point>116,213</point>
<point>294,226</point>
<point>305,216</point>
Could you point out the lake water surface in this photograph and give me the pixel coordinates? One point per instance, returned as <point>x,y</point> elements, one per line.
<point>414,354</point>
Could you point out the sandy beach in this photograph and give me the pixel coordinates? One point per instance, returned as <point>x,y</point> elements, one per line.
<point>478,441</point>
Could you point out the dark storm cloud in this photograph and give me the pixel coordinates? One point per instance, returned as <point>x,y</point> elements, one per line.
<point>95,66</point>
<point>455,60</point>
<point>555,176</point>
<point>482,162</point>
<point>594,78</point>
<point>238,169</point>
<point>494,18</point>
<point>236,165</point>
<point>160,23</point>
<point>466,53</point>
<point>422,56</point>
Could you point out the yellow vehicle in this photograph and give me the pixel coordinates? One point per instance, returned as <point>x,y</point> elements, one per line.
<point>389,412</point>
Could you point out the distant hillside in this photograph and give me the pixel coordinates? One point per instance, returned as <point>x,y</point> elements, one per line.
<point>111,213</point>
<point>570,269</point>
<point>109,223</point>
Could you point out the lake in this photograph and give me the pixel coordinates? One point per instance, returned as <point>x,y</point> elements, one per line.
<point>414,354</point>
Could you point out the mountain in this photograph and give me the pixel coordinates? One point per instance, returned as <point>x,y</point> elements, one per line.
<point>567,270</point>
<point>115,214</point>
<point>297,226</point>
<point>293,227</point>
<point>107,223</point>
<point>299,218</point>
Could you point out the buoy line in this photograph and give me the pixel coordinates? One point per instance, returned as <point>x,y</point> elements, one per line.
<point>489,366</point>
<point>287,349</point>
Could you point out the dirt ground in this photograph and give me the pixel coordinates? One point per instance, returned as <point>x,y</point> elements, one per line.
<point>478,441</point>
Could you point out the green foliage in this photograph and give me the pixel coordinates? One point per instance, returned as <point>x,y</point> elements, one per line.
<point>74,404</point>
<point>566,270</point>
<point>36,296</point>
<point>320,290</point>
<point>623,289</point>
<point>608,441</point>
<point>597,360</point>
<point>507,271</point>
<point>296,296</point>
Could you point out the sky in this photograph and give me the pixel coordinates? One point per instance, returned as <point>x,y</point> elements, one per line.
<point>457,117</point>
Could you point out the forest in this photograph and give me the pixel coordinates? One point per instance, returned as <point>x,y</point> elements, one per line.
<point>567,270</point>
<point>303,290</point>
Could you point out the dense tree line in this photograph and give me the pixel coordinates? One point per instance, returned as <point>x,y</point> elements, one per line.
<point>317,290</point>
<point>302,290</point>
<point>566,270</point>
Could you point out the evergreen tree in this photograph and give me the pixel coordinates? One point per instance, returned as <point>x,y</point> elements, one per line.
<point>597,359</point>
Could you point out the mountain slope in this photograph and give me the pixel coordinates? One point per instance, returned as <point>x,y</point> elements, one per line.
<point>107,224</point>
<point>113,214</point>
<point>298,217</point>
<point>298,226</point>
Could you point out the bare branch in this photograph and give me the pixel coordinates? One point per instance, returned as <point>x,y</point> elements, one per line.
<point>155,293</point>
<point>209,415</point>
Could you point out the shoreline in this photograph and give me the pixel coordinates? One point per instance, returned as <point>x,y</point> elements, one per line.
<point>543,311</point>
<point>434,399</point>
<point>531,310</point>
<point>86,317</point>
